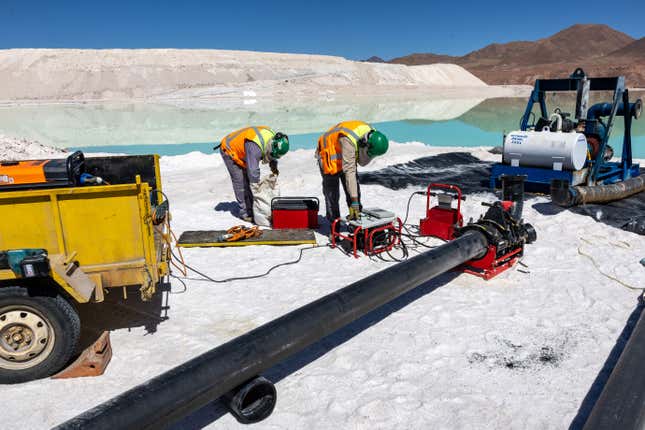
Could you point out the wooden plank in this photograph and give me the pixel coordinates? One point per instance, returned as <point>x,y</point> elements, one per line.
<point>211,238</point>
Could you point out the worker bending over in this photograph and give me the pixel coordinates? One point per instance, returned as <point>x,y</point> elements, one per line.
<point>242,151</point>
<point>339,150</point>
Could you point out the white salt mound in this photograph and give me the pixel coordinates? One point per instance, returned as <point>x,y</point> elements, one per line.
<point>12,148</point>
<point>110,74</point>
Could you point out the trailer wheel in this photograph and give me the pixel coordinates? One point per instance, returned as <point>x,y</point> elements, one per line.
<point>38,334</point>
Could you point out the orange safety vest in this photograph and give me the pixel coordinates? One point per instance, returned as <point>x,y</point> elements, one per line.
<point>329,150</point>
<point>233,143</point>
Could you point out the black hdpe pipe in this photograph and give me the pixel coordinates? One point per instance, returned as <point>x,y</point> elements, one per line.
<point>621,404</point>
<point>564,195</point>
<point>175,394</point>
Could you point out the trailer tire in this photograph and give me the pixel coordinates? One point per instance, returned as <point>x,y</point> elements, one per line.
<point>38,334</point>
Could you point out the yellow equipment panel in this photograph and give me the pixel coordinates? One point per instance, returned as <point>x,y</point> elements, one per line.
<point>27,222</point>
<point>108,222</point>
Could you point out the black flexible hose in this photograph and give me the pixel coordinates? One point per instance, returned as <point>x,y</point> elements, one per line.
<point>564,195</point>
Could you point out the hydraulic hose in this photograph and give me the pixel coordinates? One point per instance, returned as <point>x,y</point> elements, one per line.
<point>564,195</point>
<point>178,392</point>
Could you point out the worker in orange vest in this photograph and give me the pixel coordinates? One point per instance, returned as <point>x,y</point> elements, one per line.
<point>340,149</point>
<point>242,151</point>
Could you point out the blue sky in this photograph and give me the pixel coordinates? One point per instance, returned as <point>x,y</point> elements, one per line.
<point>354,30</point>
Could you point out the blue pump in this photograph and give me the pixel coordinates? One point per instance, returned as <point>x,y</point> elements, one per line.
<point>596,121</point>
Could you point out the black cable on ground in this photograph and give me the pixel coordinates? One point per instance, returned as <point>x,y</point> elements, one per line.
<point>241,278</point>
<point>406,253</point>
<point>407,210</point>
<point>414,238</point>
<point>183,284</point>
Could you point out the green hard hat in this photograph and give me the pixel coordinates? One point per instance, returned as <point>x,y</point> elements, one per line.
<point>280,145</point>
<point>377,143</point>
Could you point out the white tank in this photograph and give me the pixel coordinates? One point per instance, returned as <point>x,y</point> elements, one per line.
<point>554,150</point>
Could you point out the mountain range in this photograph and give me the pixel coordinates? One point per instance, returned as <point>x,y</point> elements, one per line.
<point>599,49</point>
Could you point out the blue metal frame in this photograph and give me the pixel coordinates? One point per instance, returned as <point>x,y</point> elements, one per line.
<point>601,171</point>
<point>534,175</point>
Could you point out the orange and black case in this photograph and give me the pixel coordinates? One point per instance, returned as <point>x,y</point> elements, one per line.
<point>20,175</point>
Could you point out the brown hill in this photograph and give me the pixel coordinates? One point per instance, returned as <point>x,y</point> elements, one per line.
<point>635,50</point>
<point>418,59</point>
<point>597,48</point>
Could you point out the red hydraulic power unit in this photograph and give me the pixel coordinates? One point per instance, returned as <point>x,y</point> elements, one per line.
<point>376,231</point>
<point>442,219</point>
<point>294,212</point>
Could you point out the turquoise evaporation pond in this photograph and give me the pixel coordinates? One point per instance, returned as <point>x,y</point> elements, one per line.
<point>444,133</point>
<point>171,130</point>
<point>436,133</point>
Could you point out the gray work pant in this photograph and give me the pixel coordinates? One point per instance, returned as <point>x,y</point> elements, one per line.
<point>241,186</point>
<point>331,191</point>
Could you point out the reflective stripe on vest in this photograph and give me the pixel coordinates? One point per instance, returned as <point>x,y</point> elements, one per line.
<point>346,131</point>
<point>262,142</point>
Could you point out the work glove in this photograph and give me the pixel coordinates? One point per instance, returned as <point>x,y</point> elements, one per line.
<point>273,165</point>
<point>354,211</point>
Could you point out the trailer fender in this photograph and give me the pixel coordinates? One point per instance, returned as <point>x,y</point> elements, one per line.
<point>71,278</point>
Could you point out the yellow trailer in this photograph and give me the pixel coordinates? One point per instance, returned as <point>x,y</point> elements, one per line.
<point>67,245</point>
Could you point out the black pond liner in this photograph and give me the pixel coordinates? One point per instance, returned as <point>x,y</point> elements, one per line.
<point>472,175</point>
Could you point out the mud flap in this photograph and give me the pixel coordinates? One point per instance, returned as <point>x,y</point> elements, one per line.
<point>92,362</point>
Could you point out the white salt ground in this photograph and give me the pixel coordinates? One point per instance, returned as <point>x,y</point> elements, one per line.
<point>519,351</point>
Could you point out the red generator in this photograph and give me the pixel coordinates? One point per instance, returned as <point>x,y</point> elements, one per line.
<point>442,219</point>
<point>294,212</point>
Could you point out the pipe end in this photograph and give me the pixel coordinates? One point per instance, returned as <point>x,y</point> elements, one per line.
<point>529,233</point>
<point>253,401</point>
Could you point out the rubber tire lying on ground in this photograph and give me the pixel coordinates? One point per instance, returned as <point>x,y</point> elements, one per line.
<point>62,319</point>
